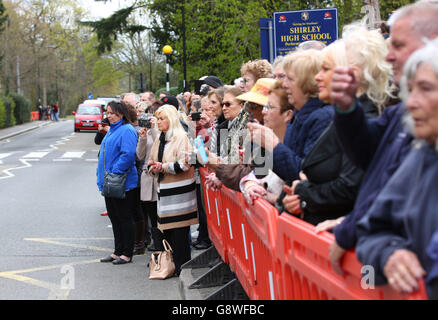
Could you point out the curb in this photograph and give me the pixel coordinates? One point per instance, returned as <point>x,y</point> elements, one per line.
<point>23,131</point>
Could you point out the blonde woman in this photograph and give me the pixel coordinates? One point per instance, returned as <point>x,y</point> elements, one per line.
<point>311,116</point>
<point>177,205</point>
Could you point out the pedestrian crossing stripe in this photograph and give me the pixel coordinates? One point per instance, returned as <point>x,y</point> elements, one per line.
<point>37,155</point>
<point>73,154</point>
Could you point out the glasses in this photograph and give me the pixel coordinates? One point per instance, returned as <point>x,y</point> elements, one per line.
<point>227,104</point>
<point>267,107</point>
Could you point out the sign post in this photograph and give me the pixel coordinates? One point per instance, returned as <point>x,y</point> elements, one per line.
<point>294,27</point>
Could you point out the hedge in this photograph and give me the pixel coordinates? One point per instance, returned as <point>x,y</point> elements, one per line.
<point>14,109</point>
<point>22,108</point>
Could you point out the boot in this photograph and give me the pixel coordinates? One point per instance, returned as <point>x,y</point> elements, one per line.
<point>139,246</point>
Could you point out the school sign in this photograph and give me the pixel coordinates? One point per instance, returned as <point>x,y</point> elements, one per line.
<point>286,30</point>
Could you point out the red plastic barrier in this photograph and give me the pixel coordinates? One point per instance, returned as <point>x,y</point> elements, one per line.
<point>261,229</point>
<point>306,272</point>
<point>214,213</point>
<point>280,256</point>
<point>34,115</point>
<point>237,240</point>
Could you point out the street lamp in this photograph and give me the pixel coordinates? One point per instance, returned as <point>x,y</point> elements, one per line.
<point>167,50</point>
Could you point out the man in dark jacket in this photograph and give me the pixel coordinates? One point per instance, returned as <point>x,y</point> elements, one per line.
<point>377,145</point>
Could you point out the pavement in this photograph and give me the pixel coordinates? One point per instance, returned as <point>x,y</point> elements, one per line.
<point>9,132</point>
<point>188,275</point>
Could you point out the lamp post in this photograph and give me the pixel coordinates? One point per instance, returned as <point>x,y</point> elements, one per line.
<point>167,50</point>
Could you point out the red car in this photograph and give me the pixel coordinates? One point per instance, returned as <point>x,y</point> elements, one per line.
<point>88,117</point>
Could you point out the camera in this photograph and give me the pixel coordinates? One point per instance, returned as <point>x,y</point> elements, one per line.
<point>204,89</point>
<point>196,116</point>
<point>105,122</point>
<point>144,121</point>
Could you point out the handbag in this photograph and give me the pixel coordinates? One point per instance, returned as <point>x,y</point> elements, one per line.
<point>113,183</point>
<point>161,265</point>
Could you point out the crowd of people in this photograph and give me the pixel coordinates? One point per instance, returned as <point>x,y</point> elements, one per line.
<point>49,112</point>
<point>344,136</point>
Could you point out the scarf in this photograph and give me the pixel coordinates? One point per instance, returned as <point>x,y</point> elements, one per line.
<point>160,153</point>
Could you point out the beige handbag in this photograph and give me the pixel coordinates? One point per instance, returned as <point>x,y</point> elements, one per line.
<point>161,265</point>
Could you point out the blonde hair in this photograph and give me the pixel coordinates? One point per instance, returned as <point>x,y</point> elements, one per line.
<point>258,68</point>
<point>336,52</point>
<point>172,115</point>
<point>305,64</point>
<point>367,50</point>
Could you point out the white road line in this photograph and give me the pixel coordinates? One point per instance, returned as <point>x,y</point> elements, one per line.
<point>36,155</point>
<point>25,163</point>
<point>4,155</point>
<point>73,154</point>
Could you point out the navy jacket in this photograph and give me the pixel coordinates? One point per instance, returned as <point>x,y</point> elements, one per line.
<point>305,128</point>
<point>376,145</point>
<point>404,215</point>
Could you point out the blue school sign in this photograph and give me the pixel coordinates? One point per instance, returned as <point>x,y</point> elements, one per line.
<point>290,28</point>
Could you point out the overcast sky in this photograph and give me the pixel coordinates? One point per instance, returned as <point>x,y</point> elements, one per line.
<point>99,9</point>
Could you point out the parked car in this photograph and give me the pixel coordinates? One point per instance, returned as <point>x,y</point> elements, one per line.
<point>88,116</point>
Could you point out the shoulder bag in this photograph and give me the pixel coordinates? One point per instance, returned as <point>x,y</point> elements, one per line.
<point>113,183</point>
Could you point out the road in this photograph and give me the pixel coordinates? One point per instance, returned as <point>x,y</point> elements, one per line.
<point>52,233</point>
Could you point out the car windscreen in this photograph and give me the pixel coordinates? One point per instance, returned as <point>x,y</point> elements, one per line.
<point>88,110</point>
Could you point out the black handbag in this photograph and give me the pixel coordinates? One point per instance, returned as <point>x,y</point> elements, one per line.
<point>113,183</point>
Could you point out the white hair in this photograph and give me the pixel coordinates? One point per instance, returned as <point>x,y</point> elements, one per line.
<point>424,15</point>
<point>424,55</point>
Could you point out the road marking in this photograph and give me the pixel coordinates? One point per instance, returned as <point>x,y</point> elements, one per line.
<point>25,163</point>
<point>62,160</point>
<point>73,154</point>
<point>56,291</point>
<point>37,155</point>
<point>4,155</point>
<point>51,241</point>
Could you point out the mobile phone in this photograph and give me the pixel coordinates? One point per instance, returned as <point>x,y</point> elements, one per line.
<point>196,116</point>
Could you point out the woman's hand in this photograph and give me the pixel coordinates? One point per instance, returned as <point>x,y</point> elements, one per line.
<point>328,224</point>
<point>403,270</point>
<point>205,121</point>
<point>212,182</point>
<point>155,167</point>
<point>336,253</point>
<point>292,204</point>
<point>263,136</point>
<point>153,121</point>
<point>253,191</point>
<point>142,133</point>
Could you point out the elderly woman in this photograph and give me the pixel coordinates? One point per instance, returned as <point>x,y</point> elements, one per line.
<point>117,155</point>
<point>394,234</point>
<point>253,70</point>
<point>330,181</point>
<point>177,206</point>
<point>311,116</point>
<point>277,113</point>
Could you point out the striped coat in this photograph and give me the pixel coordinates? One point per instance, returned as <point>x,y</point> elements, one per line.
<point>177,205</point>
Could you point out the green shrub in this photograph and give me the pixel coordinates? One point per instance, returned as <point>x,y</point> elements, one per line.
<point>22,108</point>
<point>9,105</point>
<point>2,114</point>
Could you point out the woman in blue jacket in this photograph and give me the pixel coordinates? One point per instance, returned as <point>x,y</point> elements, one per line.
<point>117,155</point>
